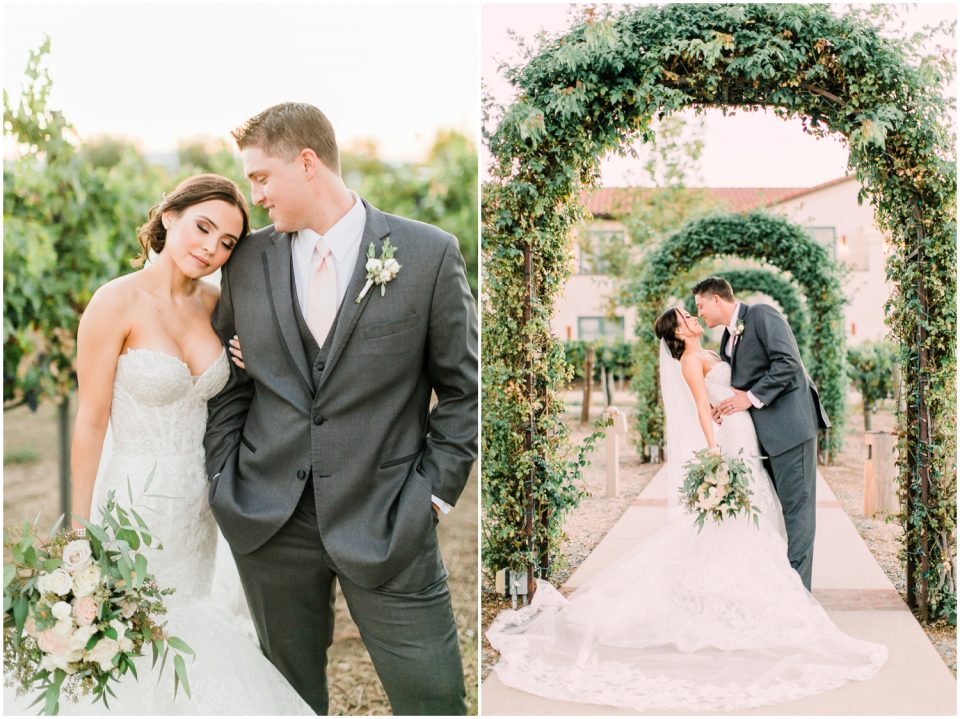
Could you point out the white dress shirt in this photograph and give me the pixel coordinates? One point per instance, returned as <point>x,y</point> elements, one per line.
<point>732,328</point>
<point>343,239</point>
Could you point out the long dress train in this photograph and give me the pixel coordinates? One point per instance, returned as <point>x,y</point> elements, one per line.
<point>716,620</point>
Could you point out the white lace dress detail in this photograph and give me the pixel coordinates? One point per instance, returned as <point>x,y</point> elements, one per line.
<point>158,419</point>
<point>716,620</point>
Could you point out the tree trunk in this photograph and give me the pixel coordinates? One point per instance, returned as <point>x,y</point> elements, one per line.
<point>587,385</point>
<point>63,432</point>
<point>529,508</point>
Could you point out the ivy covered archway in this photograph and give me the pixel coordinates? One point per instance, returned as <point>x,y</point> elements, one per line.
<point>758,236</point>
<point>598,88</point>
<point>775,286</point>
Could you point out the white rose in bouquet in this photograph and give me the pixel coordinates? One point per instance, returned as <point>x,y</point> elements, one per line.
<point>61,610</point>
<point>86,581</point>
<point>80,637</point>
<point>77,555</point>
<point>51,662</point>
<point>103,653</point>
<point>392,266</point>
<point>56,582</point>
<point>714,498</point>
<point>373,265</point>
<point>723,475</point>
<point>126,644</point>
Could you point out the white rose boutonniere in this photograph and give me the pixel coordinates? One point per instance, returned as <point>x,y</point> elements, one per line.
<point>380,270</point>
<point>738,329</point>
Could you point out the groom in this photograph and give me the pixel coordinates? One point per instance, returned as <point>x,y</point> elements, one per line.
<point>770,381</point>
<point>326,462</point>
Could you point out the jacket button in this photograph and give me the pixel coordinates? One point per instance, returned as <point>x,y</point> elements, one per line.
<point>318,420</point>
<point>301,474</point>
<point>320,366</point>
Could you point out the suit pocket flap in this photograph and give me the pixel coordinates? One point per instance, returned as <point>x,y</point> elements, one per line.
<point>399,460</point>
<point>392,327</point>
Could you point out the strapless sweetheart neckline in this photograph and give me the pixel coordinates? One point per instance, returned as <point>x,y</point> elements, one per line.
<point>194,377</point>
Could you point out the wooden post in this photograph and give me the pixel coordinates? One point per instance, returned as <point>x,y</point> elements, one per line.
<point>612,441</point>
<point>587,385</point>
<point>880,475</point>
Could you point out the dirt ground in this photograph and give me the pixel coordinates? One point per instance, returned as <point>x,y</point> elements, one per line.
<point>30,487</point>
<point>588,524</point>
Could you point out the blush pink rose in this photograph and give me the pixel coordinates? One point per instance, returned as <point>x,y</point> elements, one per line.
<point>53,642</point>
<point>85,610</point>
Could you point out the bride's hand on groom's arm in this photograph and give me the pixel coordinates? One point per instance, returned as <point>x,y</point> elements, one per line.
<point>236,354</point>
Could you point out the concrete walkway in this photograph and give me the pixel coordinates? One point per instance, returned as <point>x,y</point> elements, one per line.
<point>849,584</point>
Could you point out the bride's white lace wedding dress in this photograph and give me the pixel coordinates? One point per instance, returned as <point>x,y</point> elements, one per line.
<point>158,417</point>
<point>716,620</point>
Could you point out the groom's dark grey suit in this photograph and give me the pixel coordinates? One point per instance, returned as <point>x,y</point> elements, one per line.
<point>766,361</point>
<point>323,460</point>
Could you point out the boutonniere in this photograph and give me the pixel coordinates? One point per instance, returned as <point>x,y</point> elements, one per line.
<point>738,329</point>
<point>380,270</point>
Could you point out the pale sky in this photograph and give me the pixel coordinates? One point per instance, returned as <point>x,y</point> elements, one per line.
<point>754,149</point>
<point>161,73</point>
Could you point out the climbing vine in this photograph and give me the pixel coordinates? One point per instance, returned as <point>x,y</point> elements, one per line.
<point>597,88</point>
<point>766,238</point>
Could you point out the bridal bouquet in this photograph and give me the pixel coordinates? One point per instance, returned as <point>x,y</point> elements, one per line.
<point>78,608</point>
<point>717,486</point>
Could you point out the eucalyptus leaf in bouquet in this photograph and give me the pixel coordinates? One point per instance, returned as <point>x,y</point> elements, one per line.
<point>79,607</point>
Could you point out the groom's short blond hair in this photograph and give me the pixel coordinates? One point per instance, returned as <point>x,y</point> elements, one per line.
<point>285,129</point>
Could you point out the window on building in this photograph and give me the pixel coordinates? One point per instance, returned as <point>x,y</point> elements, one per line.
<point>826,237</point>
<point>854,252</point>
<point>600,328</point>
<point>593,250</point>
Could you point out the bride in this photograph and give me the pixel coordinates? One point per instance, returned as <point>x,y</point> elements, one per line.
<point>148,360</point>
<point>688,620</point>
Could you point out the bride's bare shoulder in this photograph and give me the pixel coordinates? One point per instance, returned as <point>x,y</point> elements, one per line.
<point>691,360</point>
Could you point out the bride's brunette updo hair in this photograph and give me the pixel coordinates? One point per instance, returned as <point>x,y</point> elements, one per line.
<point>152,235</point>
<point>666,329</point>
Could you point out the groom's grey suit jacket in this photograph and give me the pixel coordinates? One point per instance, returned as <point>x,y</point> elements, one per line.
<point>766,361</point>
<point>356,418</point>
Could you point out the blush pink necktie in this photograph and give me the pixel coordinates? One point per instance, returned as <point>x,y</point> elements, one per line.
<point>322,297</point>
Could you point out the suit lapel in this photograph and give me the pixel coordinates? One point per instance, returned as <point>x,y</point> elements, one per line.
<point>723,346</point>
<point>276,265</point>
<point>736,340</point>
<point>374,231</point>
